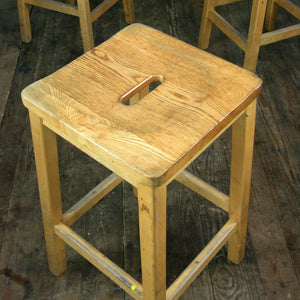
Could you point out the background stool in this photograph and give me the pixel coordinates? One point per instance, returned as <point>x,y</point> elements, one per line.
<point>148,143</point>
<point>82,10</point>
<point>256,38</point>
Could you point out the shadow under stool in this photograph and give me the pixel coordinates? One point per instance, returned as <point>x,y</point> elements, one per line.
<point>263,11</point>
<point>101,104</point>
<point>81,10</point>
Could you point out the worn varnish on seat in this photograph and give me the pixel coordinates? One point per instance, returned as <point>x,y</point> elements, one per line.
<point>147,143</point>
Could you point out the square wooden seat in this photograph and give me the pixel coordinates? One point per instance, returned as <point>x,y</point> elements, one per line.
<point>148,143</point>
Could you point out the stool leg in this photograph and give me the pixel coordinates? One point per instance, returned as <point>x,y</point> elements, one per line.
<point>72,2</point>
<point>240,180</point>
<point>206,24</point>
<point>254,35</point>
<point>152,222</point>
<point>86,25</point>
<point>129,11</point>
<point>45,149</point>
<point>24,18</point>
<point>271,15</point>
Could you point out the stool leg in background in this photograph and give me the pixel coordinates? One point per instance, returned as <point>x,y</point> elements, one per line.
<point>86,25</point>
<point>129,11</point>
<point>206,24</point>
<point>152,222</point>
<point>271,15</point>
<point>254,35</point>
<point>72,2</point>
<point>240,180</point>
<point>46,160</point>
<point>24,18</point>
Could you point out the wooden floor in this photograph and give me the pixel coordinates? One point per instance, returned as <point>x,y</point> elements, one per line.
<point>271,268</point>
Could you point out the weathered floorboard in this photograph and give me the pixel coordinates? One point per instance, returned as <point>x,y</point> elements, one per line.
<point>9,49</point>
<point>12,128</point>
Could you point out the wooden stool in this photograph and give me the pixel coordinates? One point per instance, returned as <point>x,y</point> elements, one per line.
<point>256,37</point>
<point>148,144</point>
<point>82,10</point>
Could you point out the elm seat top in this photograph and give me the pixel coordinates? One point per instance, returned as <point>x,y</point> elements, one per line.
<point>199,96</point>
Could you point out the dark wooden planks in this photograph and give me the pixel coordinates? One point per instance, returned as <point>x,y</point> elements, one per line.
<point>268,239</point>
<point>280,127</point>
<point>185,228</point>
<point>9,49</point>
<point>229,281</point>
<point>22,238</point>
<point>14,122</point>
<point>277,144</point>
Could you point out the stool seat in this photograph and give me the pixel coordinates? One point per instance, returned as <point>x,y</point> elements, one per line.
<point>144,105</point>
<point>153,138</point>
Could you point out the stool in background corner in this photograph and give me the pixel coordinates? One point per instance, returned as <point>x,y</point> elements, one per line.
<point>82,11</point>
<point>261,10</point>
